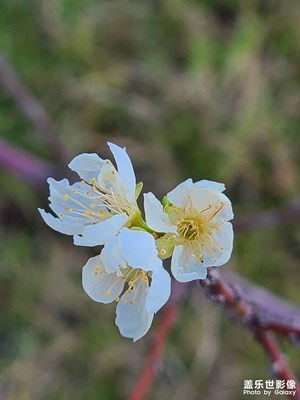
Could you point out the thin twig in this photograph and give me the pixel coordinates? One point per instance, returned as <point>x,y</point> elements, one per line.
<point>279,367</point>
<point>31,108</point>
<point>154,356</point>
<point>153,359</point>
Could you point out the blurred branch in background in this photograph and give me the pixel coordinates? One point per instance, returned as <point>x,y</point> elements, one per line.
<point>267,218</point>
<point>153,359</point>
<point>24,165</point>
<point>31,108</point>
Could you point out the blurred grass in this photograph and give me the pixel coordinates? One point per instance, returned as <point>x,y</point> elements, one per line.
<point>201,89</point>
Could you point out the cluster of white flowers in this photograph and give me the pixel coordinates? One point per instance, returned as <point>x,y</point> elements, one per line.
<point>190,225</point>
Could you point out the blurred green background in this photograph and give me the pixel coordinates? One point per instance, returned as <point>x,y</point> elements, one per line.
<point>202,89</point>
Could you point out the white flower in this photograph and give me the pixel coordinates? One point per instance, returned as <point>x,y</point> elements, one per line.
<point>95,209</point>
<point>129,264</point>
<point>196,227</point>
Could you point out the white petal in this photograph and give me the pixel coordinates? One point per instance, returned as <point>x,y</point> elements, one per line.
<point>160,290</point>
<point>61,226</point>
<point>224,244</point>
<point>125,170</point>
<point>87,166</point>
<point>185,266</point>
<point>178,196</point>
<point>111,256</point>
<point>226,214</point>
<point>133,320</point>
<point>202,197</point>
<point>71,202</point>
<point>109,178</point>
<point>57,191</point>
<point>139,250</point>
<point>100,233</point>
<point>98,284</point>
<point>210,185</point>
<point>156,218</point>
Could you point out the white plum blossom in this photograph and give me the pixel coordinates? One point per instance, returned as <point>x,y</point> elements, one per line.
<point>129,271</point>
<point>95,209</point>
<point>195,224</point>
<point>192,225</point>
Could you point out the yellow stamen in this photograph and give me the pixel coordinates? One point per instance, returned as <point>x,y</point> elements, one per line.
<point>162,252</point>
<point>96,269</point>
<point>216,212</point>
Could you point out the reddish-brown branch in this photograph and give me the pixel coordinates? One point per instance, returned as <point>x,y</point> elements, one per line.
<point>154,356</point>
<point>253,319</point>
<point>279,367</point>
<point>270,312</point>
<point>153,359</point>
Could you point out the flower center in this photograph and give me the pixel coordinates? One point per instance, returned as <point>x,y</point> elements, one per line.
<point>111,198</point>
<point>190,229</point>
<point>132,276</point>
<point>194,229</point>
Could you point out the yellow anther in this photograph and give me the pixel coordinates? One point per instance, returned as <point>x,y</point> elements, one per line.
<point>112,172</point>
<point>87,213</point>
<point>130,284</point>
<point>108,293</point>
<point>93,205</point>
<point>73,191</point>
<point>107,162</point>
<point>66,197</point>
<point>117,299</point>
<point>145,279</point>
<point>162,252</point>
<point>101,212</point>
<point>87,192</point>
<point>61,215</point>
<point>82,182</point>
<point>131,302</point>
<point>96,269</point>
<point>93,181</point>
<point>69,209</point>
